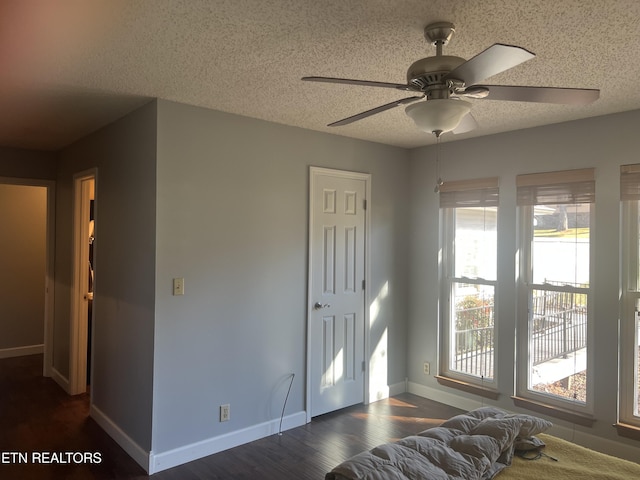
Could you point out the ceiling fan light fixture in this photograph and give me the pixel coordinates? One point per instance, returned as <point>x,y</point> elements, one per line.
<point>440,115</point>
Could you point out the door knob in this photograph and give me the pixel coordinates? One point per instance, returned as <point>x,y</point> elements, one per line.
<point>318,305</point>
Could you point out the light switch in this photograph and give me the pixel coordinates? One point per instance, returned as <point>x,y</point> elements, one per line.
<point>178,286</point>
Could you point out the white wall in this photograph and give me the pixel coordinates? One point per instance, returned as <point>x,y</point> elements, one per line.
<point>602,142</point>
<point>232,220</point>
<point>23,216</point>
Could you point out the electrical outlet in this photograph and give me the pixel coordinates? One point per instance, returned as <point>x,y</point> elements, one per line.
<point>225,412</point>
<point>427,368</point>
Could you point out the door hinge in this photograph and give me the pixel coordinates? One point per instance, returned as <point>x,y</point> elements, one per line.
<point>364,203</point>
<point>364,284</point>
<point>364,366</point>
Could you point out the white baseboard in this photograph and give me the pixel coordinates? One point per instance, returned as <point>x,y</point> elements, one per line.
<point>60,379</point>
<point>178,456</point>
<point>397,388</point>
<point>21,351</point>
<point>441,396</point>
<point>387,391</point>
<point>135,451</point>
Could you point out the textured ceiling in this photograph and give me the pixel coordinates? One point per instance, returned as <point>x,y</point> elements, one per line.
<point>79,65</point>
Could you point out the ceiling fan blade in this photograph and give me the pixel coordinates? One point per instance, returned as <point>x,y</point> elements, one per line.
<point>365,83</point>
<point>566,96</point>
<point>495,59</point>
<point>373,111</point>
<point>467,124</point>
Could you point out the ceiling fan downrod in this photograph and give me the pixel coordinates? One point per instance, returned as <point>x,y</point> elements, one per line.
<point>428,74</point>
<point>439,34</point>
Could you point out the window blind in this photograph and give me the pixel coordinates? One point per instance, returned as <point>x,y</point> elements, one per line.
<point>550,188</point>
<point>481,192</point>
<point>630,182</point>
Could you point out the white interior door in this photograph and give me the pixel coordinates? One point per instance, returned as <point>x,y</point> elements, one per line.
<point>82,292</point>
<point>336,323</point>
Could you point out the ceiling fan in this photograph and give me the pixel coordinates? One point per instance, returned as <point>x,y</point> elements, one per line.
<point>443,81</point>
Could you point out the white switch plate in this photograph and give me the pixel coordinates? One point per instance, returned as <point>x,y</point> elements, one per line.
<point>178,286</point>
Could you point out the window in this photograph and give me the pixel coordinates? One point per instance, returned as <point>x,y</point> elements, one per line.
<point>556,217</point>
<point>630,308</point>
<point>469,212</point>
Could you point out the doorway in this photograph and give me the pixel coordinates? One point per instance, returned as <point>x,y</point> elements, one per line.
<point>82,319</point>
<point>336,319</point>
<point>28,231</point>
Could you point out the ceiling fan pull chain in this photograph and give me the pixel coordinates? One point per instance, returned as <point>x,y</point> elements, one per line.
<point>439,182</point>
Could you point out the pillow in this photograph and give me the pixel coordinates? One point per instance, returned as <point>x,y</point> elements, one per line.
<point>485,412</point>
<point>503,430</point>
<point>508,429</point>
<point>526,444</point>
<point>530,425</point>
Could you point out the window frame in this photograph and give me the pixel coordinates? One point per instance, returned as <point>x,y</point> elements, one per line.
<point>629,377</point>
<point>463,194</point>
<point>549,403</point>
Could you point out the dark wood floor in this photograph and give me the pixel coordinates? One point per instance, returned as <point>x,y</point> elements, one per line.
<point>36,416</point>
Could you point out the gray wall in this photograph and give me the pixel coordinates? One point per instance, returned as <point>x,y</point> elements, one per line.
<point>222,200</point>
<point>23,216</point>
<point>232,214</point>
<point>125,156</point>
<point>19,163</point>
<point>602,142</point>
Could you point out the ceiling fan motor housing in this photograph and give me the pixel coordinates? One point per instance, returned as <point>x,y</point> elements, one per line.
<point>427,74</point>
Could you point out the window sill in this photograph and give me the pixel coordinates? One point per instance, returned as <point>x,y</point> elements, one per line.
<point>468,387</point>
<point>583,419</point>
<point>628,431</point>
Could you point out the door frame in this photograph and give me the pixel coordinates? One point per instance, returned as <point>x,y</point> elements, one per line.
<point>79,258</point>
<point>366,177</point>
<point>49,280</point>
